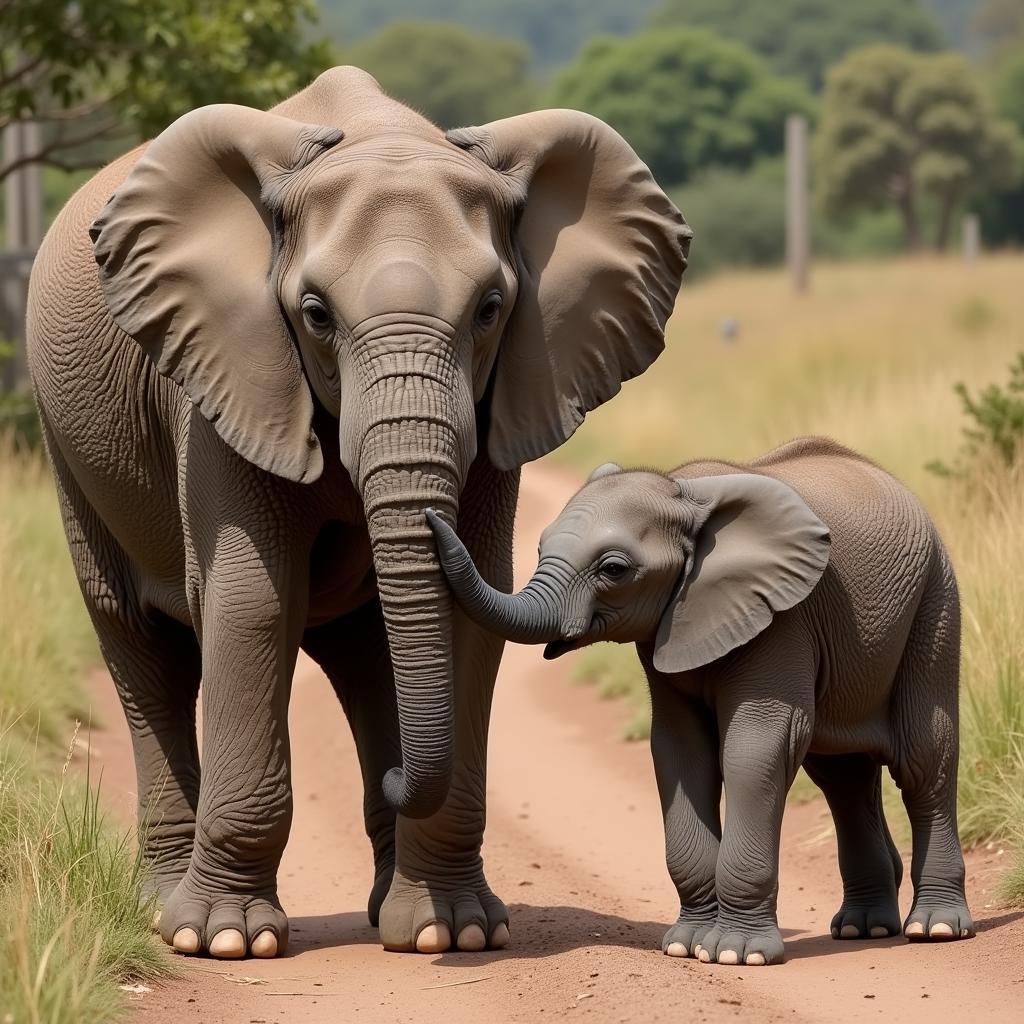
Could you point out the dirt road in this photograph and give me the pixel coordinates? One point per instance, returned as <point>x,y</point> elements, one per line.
<point>574,846</point>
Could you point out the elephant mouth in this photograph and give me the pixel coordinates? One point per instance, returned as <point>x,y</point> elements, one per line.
<point>556,648</point>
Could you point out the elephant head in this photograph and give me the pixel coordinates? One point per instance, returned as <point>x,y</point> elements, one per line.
<point>343,252</point>
<point>698,566</point>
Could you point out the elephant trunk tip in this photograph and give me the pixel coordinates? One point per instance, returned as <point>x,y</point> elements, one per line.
<point>426,801</point>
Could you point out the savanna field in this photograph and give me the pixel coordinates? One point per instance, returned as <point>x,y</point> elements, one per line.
<point>870,357</point>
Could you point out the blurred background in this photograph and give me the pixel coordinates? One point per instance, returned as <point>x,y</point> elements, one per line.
<point>898,328</point>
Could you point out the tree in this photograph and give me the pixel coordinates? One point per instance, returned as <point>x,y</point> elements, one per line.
<point>1002,213</point>
<point>804,37</point>
<point>898,126</point>
<point>553,30</point>
<point>95,72</point>
<point>684,98</point>
<point>454,76</point>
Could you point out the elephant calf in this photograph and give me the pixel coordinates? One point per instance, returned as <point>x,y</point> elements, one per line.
<point>799,610</point>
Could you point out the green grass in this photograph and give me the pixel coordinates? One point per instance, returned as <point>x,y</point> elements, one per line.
<point>870,357</point>
<point>74,923</point>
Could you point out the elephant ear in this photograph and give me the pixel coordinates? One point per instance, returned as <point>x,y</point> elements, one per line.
<point>601,250</point>
<point>759,550</point>
<point>184,253</point>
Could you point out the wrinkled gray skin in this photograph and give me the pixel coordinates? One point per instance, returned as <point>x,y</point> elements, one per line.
<point>767,646</point>
<point>261,345</point>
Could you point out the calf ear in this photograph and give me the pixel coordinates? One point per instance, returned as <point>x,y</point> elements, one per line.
<point>759,551</point>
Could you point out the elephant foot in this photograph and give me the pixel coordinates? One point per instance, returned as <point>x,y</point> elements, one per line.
<point>223,925</point>
<point>873,918</point>
<point>739,944</point>
<point>425,917</point>
<point>381,885</point>
<point>683,938</point>
<point>937,919</point>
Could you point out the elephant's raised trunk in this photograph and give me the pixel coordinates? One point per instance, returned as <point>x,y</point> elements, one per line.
<point>411,457</point>
<point>532,616</point>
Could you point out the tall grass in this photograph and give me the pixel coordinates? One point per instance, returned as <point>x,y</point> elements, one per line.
<point>73,923</point>
<point>869,357</point>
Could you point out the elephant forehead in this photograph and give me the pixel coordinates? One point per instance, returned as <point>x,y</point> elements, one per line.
<point>433,208</point>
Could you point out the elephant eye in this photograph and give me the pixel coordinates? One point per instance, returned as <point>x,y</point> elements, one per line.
<point>490,308</point>
<point>316,314</point>
<point>614,568</point>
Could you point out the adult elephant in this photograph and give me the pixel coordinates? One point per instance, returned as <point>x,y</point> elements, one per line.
<point>305,327</point>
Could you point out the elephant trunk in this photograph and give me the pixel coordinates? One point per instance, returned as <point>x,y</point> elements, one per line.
<point>531,616</point>
<point>410,456</point>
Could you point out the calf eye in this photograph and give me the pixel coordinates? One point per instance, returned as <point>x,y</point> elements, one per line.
<point>317,315</point>
<point>614,568</point>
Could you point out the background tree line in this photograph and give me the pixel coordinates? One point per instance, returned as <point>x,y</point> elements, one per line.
<point>917,105</point>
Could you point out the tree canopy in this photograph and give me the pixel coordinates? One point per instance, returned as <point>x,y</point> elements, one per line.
<point>685,99</point>
<point>96,71</point>
<point>454,76</point>
<point>898,126</point>
<point>803,37</point>
<point>554,30</point>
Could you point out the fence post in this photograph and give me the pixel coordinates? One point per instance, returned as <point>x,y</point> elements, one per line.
<point>798,220</point>
<point>23,215</point>
<point>971,238</point>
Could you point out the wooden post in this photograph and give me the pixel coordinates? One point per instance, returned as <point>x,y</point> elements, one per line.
<point>798,219</point>
<point>23,216</point>
<point>971,238</point>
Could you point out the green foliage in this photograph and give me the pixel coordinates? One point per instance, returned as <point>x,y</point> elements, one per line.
<point>684,98</point>
<point>452,75</point>
<point>91,71</point>
<point>554,30</point>
<point>1002,212</point>
<point>738,217</point>
<point>898,126</point>
<point>995,421</point>
<point>803,37</point>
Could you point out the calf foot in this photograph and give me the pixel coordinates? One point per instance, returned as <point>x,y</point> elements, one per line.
<point>870,918</point>
<point>197,920</point>
<point>423,917</point>
<point>938,919</point>
<point>736,943</point>
<point>683,938</point>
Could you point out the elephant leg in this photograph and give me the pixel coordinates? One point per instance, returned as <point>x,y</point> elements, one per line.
<point>254,601</point>
<point>765,717</point>
<point>155,665</point>
<point>439,896</point>
<point>684,745</point>
<point>926,731</point>
<point>868,859</point>
<point>353,652</point>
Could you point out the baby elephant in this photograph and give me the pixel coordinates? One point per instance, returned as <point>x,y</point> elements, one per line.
<point>767,647</point>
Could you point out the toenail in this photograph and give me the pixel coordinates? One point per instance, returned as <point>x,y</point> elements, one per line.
<point>704,956</point>
<point>849,931</point>
<point>434,938</point>
<point>264,945</point>
<point>186,940</point>
<point>677,949</point>
<point>754,960</point>
<point>500,936</point>
<point>728,956</point>
<point>228,944</point>
<point>472,939</point>
<point>942,930</point>
<point>835,933</point>
<point>878,932</point>
<point>915,928</point>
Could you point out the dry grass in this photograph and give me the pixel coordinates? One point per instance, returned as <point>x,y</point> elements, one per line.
<point>74,924</point>
<point>870,358</point>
